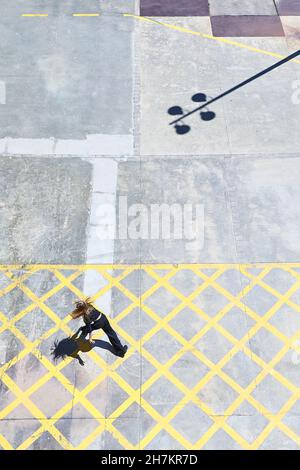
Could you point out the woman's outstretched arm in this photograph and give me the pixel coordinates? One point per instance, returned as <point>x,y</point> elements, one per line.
<point>76,356</point>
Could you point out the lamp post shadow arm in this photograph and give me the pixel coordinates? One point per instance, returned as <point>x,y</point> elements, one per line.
<point>240,85</point>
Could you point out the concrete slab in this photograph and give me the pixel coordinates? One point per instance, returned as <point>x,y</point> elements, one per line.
<point>49,209</point>
<point>244,121</point>
<point>279,440</point>
<point>221,441</point>
<point>266,225</point>
<point>248,422</point>
<point>242,7</point>
<point>62,71</point>
<point>196,182</point>
<point>291,26</point>
<point>192,76</point>
<point>239,192</point>
<point>11,433</point>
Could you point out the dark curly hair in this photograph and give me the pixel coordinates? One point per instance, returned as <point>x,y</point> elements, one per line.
<point>63,348</point>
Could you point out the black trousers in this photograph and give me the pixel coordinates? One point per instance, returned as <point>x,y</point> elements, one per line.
<point>104,324</point>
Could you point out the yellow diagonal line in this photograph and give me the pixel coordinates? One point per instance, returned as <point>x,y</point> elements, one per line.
<point>209,36</point>
<point>5,444</point>
<point>14,281</point>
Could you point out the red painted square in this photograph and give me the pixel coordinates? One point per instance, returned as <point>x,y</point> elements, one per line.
<point>246,26</point>
<point>174,8</point>
<point>288,7</point>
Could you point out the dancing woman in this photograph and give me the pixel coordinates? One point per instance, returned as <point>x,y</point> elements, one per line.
<point>94,320</point>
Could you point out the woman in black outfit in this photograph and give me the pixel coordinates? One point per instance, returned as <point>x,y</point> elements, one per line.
<point>94,320</point>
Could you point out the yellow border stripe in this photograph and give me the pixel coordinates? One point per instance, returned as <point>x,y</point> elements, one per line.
<point>34,14</point>
<point>209,36</point>
<point>86,14</point>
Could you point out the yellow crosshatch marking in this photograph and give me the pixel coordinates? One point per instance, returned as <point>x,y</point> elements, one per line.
<point>208,276</point>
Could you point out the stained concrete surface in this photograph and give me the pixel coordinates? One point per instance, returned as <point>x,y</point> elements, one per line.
<point>248,201</point>
<point>57,8</point>
<point>85,123</point>
<point>245,120</point>
<point>44,210</point>
<point>53,88</point>
<point>182,181</point>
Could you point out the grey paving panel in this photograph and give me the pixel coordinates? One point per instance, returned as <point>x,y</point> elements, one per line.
<point>58,86</point>
<point>242,7</point>
<point>196,182</point>
<point>265,212</point>
<point>245,120</point>
<point>44,210</point>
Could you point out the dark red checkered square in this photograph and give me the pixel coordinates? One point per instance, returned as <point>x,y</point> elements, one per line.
<point>174,8</point>
<point>246,26</point>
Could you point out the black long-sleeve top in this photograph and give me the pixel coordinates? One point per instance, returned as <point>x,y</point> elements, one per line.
<point>90,318</point>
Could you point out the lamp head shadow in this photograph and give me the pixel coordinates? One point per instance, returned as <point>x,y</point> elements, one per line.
<point>205,114</point>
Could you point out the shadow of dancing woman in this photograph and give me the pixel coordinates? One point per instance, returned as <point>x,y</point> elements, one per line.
<point>72,346</point>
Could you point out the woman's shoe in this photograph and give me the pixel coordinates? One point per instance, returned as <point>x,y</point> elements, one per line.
<point>122,352</point>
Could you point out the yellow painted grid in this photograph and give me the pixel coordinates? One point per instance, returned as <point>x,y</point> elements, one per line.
<point>161,275</point>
